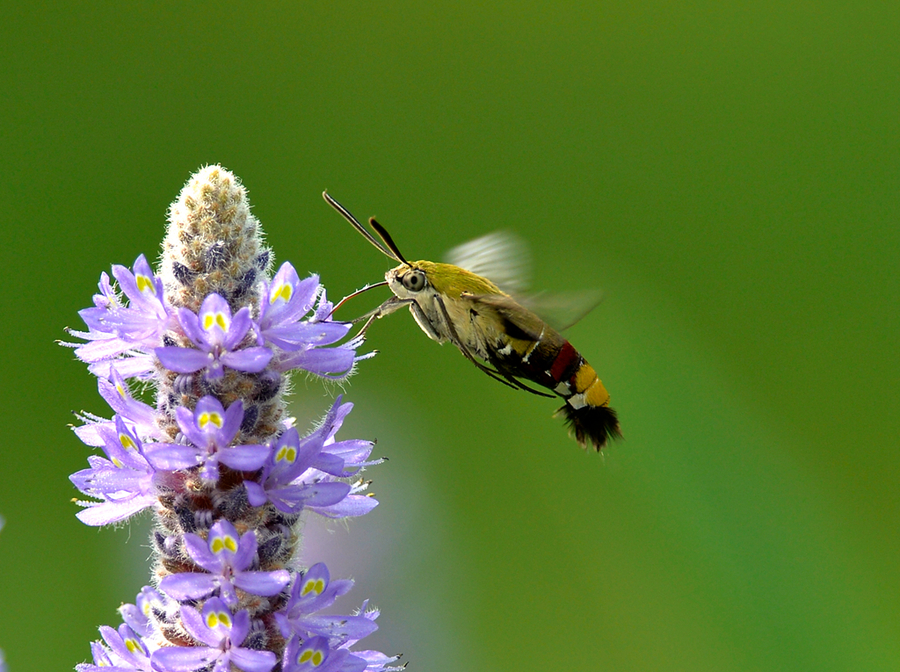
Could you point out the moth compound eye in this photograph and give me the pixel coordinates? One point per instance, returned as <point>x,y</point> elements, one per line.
<point>414,281</point>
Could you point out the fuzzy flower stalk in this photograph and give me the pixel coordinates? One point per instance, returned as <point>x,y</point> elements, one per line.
<point>194,361</point>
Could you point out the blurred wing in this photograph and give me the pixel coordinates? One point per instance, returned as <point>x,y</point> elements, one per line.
<point>561,311</point>
<point>501,257</point>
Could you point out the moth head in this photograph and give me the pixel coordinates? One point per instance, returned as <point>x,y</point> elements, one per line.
<point>407,280</point>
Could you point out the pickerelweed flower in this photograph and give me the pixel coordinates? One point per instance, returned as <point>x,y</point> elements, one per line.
<point>214,456</point>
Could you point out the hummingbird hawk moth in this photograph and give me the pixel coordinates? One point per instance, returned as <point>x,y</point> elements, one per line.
<point>494,331</point>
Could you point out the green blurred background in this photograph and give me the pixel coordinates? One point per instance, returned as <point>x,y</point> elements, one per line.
<point>726,173</point>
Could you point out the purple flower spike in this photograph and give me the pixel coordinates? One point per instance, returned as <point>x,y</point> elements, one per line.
<point>216,335</point>
<point>226,556</point>
<point>223,634</point>
<point>206,442</point>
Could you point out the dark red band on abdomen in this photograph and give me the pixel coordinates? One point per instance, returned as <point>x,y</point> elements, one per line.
<point>563,361</point>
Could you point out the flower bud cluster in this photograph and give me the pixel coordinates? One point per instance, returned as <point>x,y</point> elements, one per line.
<point>214,455</point>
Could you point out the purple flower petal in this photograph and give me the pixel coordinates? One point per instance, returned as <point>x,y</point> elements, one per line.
<point>239,327</point>
<point>182,360</point>
<point>295,336</point>
<point>183,658</point>
<point>195,623</point>
<point>188,585</point>
<point>172,456</point>
<point>350,506</point>
<point>263,583</point>
<point>233,417</point>
<point>251,360</point>
<point>287,298</point>
<point>106,513</point>
<point>292,498</point>
<point>250,660</point>
<point>246,549</point>
<point>190,324</point>
<point>256,494</point>
<point>320,361</point>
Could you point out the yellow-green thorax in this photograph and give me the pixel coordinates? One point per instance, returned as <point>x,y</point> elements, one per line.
<point>445,303</point>
<point>448,280</point>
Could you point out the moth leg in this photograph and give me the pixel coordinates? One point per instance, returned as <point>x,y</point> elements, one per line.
<point>424,322</point>
<point>455,339</point>
<point>392,305</point>
<point>522,386</point>
<point>362,332</point>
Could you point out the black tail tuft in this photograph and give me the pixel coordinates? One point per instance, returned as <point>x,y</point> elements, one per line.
<point>594,424</point>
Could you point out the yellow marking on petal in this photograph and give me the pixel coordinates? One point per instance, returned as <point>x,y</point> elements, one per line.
<point>121,390</point>
<point>313,586</point>
<point>227,543</point>
<point>283,292</point>
<point>313,656</point>
<point>145,284</point>
<point>225,619</point>
<point>117,462</point>
<point>212,620</point>
<point>286,454</point>
<point>210,418</point>
<point>215,319</point>
<point>127,442</point>
<point>133,645</point>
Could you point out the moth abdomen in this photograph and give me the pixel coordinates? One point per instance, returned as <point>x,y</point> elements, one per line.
<point>586,410</point>
<point>552,362</point>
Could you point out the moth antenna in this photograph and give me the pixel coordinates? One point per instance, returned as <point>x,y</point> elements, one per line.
<point>359,227</point>
<point>386,237</point>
